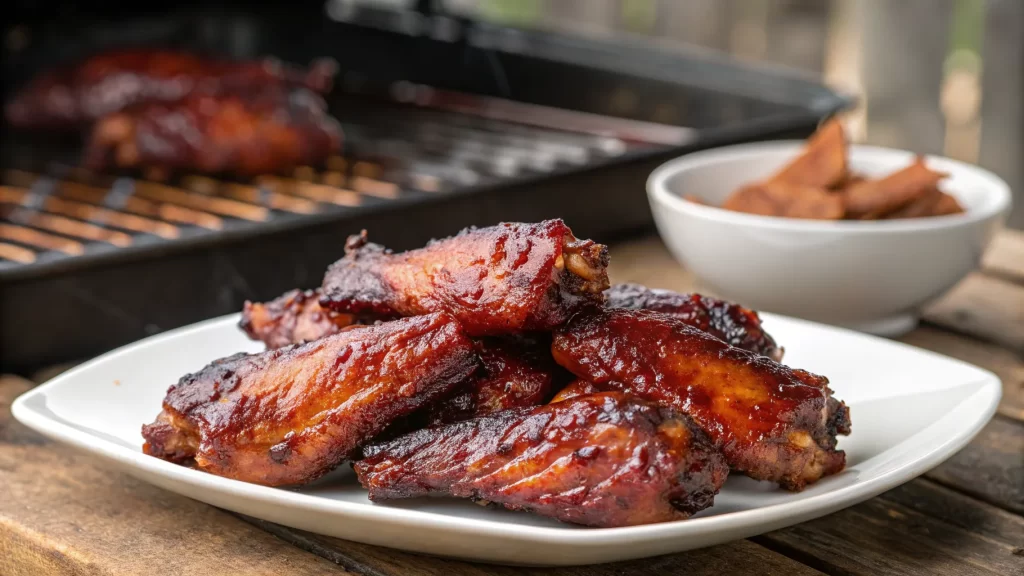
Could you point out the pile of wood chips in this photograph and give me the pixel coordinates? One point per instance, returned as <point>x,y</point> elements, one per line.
<point>819,185</point>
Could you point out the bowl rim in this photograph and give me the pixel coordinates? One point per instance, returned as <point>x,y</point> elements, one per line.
<point>658,192</point>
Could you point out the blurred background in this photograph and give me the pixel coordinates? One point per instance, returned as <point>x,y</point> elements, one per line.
<point>453,113</point>
<point>933,76</point>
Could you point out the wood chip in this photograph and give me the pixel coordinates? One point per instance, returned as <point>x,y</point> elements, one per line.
<point>786,200</point>
<point>823,163</point>
<point>872,199</point>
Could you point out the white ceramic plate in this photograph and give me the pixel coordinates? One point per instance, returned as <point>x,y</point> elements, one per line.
<point>911,409</point>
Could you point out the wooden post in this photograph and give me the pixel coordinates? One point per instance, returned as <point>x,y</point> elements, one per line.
<point>591,17</point>
<point>699,22</point>
<point>1002,104</point>
<point>904,49</point>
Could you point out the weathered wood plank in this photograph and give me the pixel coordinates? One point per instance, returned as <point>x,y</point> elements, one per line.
<point>985,307</point>
<point>11,432</point>
<point>960,510</point>
<point>62,512</point>
<point>991,467</point>
<point>1007,365</point>
<point>883,536</point>
<point>1005,257</point>
<point>739,557</point>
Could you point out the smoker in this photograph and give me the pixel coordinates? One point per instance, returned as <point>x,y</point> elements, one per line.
<point>448,121</point>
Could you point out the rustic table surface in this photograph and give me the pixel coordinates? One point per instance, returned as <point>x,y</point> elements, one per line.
<point>62,512</point>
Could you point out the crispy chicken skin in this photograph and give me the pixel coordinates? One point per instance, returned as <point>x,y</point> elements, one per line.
<point>294,317</point>
<point>515,373</point>
<point>771,422</point>
<point>289,415</point>
<point>246,132</point>
<point>503,279</point>
<point>72,96</point>
<point>731,323</point>
<point>601,460</point>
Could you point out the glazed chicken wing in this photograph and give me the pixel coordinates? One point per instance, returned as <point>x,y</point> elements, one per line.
<point>289,415</point>
<point>731,323</point>
<point>771,422</point>
<point>292,318</point>
<point>515,373</point>
<point>600,460</point>
<point>265,130</point>
<point>498,280</point>
<point>107,83</point>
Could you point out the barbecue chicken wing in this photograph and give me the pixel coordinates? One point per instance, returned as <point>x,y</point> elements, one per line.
<point>771,422</point>
<point>289,415</point>
<point>271,129</point>
<point>731,323</point>
<point>515,373</point>
<point>103,84</point>
<point>498,280</point>
<point>294,317</point>
<point>600,460</point>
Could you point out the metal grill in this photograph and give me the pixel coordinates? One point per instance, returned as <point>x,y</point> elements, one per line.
<point>62,211</point>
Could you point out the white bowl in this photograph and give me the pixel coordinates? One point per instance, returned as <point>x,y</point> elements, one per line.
<point>873,276</point>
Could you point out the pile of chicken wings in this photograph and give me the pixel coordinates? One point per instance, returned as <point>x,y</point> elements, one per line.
<point>499,365</point>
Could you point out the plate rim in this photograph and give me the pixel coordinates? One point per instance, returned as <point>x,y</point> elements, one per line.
<point>776,515</point>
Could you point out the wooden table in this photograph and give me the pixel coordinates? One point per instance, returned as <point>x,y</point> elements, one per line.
<point>62,512</point>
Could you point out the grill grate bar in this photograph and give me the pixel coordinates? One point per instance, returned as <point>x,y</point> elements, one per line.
<point>15,253</point>
<point>221,206</point>
<point>112,199</point>
<point>68,226</point>
<point>311,190</point>
<point>373,187</point>
<point>92,214</point>
<point>162,210</point>
<point>42,240</point>
<point>250,194</point>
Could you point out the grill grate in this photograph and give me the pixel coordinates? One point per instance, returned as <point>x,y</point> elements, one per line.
<point>62,211</point>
